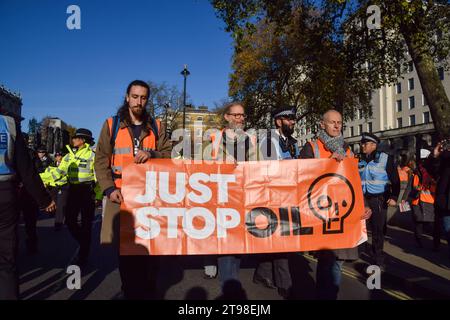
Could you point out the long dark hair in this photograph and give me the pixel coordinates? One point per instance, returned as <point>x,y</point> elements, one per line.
<point>123,111</point>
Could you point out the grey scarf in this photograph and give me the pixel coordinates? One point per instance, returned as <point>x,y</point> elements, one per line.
<point>334,144</point>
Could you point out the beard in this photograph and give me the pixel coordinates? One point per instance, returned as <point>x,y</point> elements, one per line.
<point>287,130</point>
<point>236,126</point>
<point>137,111</point>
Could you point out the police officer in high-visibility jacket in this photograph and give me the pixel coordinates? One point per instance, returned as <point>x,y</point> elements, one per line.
<point>381,187</point>
<point>15,166</point>
<point>78,165</point>
<point>58,187</point>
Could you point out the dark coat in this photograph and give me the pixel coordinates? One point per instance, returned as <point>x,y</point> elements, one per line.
<point>341,254</point>
<point>440,170</point>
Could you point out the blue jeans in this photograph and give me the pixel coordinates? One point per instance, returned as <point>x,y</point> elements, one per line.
<point>228,268</point>
<point>328,275</point>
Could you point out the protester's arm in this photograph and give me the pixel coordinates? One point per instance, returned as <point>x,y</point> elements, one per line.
<point>28,174</point>
<point>164,147</point>
<point>391,169</point>
<point>102,162</point>
<point>307,152</point>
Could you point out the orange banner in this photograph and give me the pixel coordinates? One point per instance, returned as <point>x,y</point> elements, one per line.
<point>180,207</point>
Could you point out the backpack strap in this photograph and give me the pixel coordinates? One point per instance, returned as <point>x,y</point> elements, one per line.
<point>114,130</point>
<point>155,126</point>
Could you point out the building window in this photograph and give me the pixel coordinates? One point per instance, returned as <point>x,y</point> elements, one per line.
<point>399,105</point>
<point>426,117</point>
<point>399,123</point>
<point>360,129</point>
<point>411,84</point>
<point>352,132</point>
<point>424,101</point>
<point>440,71</point>
<point>399,88</point>
<point>369,127</point>
<point>199,118</point>
<point>412,120</point>
<point>410,66</point>
<point>411,102</point>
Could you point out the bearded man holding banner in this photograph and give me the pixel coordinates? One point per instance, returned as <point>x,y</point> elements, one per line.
<point>330,144</point>
<point>231,144</point>
<point>273,269</point>
<point>132,135</point>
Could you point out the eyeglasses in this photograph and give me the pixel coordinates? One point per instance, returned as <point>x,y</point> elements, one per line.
<point>238,115</point>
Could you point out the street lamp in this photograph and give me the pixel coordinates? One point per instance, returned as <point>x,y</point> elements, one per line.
<point>184,73</point>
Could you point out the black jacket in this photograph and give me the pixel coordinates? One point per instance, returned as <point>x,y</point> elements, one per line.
<point>27,173</point>
<point>43,164</point>
<point>439,168</point>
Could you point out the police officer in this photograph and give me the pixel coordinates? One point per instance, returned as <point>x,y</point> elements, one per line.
<point>78,165</point>
<point>44,159</point>
<point>15,166</point>
<point>273,269</point>
<point>381,187</point>
<point>58,188</point>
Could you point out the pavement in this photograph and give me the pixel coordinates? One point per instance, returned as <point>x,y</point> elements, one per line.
<point>410,272</point>
<point>411,267</point>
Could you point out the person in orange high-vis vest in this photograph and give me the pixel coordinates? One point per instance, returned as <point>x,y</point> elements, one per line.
<point>422,199</point>
<point>405,174</point>
<point>230,145</point>
<point>330,144</point>
<point>130,136</point>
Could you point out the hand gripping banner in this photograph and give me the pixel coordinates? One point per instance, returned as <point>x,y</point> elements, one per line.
<point>181,207</point>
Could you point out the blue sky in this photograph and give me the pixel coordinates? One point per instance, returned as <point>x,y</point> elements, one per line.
<point>80,76</point>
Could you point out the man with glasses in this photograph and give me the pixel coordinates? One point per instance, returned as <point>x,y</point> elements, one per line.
<point>381,186</point>
<point>231,144</point>
<point>273,269</point>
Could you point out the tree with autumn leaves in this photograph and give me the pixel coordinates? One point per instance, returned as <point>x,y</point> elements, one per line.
<point>320,54</point>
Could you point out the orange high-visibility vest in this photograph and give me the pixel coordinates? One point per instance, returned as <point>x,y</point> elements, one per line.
<point>321,152</point>
<point>216,145</point>
<point>403,173</point>
<point>425,195</point>
<point>123,151</point>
